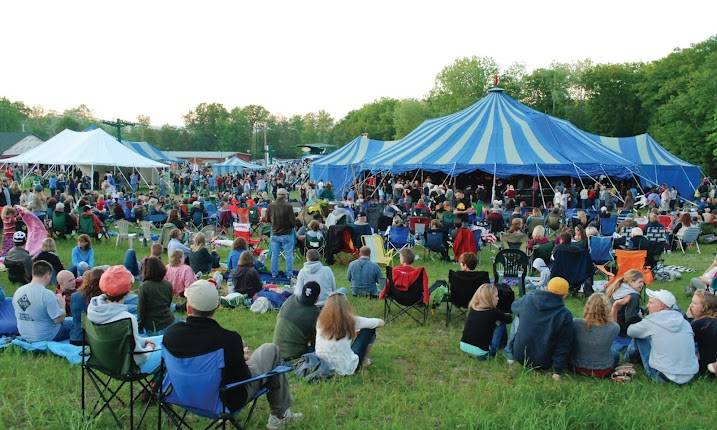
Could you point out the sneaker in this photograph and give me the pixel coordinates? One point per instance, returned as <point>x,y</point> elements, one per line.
<point>276,423</point>
<point>510,361</point>
<point>712,367</point>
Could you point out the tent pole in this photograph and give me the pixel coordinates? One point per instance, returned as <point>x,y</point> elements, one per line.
<point>688,180</point>
<point>655,183</point>
<point>540,186</point>
<point>92,177</point>
<point>492,190</point>
<point>619,196</point>
<point>637,182</point>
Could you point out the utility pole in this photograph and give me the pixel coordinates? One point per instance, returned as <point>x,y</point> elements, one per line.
<point>118,124</point>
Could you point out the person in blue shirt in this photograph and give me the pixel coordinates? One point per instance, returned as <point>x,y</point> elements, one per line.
<point>83,256</point>
<point>80,299</point>
<point>238,248</point>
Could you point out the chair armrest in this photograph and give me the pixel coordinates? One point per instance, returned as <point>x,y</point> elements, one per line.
<point>146,352</point>
<point>278,370</point>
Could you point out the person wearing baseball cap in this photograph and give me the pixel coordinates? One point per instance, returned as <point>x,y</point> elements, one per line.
<point>295,330</point>
<point>282,219</point>
<point>201,334</point>
<point>18,260</point>
<point>545,335</point>
<point>664,341</point>
<point>115,284</point>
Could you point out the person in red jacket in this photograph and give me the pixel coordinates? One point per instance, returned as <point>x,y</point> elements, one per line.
<point>406,275</point>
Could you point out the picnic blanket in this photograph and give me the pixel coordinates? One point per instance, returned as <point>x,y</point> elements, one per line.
<point>72,352</point>
<point>282,279</point>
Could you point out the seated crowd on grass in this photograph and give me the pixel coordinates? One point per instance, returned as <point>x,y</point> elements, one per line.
<point>317,318</point>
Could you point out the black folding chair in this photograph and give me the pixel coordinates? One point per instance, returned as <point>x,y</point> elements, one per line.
<point>111,358</point>
<point>409,302</point>
<point>461,288</point>
<point>511,263</point>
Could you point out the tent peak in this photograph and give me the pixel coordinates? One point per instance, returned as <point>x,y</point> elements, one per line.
<point>496,90</point>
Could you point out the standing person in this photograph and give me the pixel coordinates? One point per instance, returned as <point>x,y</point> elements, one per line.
<point>364,275</point>
<point>282,219</point>
<point>545,335</point>
<point>664,342</point>
<point>481,338</point>
<point>40,314</point>
<point>201,334</point>
<point>344,340</point>
<point>703,310</point>
<point>295,330</point>
<point>594,335</point>
<point>155,298</point>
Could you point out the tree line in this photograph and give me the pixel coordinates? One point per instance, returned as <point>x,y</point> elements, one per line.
<point>673,98</point>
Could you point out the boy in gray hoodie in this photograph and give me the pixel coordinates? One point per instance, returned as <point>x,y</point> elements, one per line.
<point>108,307</point>
<point>313,270</point>
<point>664,341</point>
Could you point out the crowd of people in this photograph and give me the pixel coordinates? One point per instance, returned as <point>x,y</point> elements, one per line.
<point>315,317</point>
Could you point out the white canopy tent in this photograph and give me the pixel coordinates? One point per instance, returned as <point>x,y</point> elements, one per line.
<point>84,149</point>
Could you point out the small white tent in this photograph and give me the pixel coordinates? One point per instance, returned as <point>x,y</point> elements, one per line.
<point>90,148</point>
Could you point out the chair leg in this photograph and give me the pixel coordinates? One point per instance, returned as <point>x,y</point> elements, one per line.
<point>698,247</point>
<point>131,405</point>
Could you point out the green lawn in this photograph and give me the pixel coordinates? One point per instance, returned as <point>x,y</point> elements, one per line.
<point>419,379</point>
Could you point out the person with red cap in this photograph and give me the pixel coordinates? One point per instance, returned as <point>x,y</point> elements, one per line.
<point>109,307</point>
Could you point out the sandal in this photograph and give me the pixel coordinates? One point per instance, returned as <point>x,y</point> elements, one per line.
<point>625,370</point>
<point>620,378</point>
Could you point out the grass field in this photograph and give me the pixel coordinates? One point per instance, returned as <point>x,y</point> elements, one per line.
<point>419,379</point>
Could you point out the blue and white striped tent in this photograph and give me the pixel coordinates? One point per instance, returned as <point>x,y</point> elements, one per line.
<point>342,166</point>
<point>655,163</point>
<point>233,164</point>
<point>499,135</point>
<point>150,151</point>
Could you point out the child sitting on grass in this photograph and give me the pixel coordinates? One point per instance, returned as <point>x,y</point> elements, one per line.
<point>480,337</point>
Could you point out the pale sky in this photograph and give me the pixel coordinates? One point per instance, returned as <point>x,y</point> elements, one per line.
<point>162,58</point>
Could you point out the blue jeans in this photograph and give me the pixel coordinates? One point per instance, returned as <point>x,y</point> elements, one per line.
<point>508,351</point>
<point>498,336</point>
<point>278,243</point>
<point>619,345</point>
<point>642,348</point>
<point>365,338</point>
<point>64,333</point>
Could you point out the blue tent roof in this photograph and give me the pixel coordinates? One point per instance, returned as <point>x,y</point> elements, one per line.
<point>150,151</point>
<point>656,165</point>
<point>341,166</point>
<point>499,134</point>
<point>233,164</point>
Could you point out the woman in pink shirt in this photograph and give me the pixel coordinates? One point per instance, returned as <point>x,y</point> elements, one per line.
<point>179,274</point>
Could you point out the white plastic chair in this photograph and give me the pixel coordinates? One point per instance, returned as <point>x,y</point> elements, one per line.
<point>146,232</point>
<point>689,238</point>
<point>123,233</point>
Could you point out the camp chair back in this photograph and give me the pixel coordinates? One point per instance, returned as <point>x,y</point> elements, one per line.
<point>315,240</point>
<point>87,225</point>
<point>198,218</point>
<point>608,225</point>
<point>373,213</point>
<point>209,231</point>
<point>600,250</point>
<point>554,222</point>
<point>461,288</point>
<point>434,243</point>
<point>358,230</point>
<point>59,222</point>
<point>16,273</point>
<point>689,238</point>
<point>211,209</point>
<point>544,251</point>
<point>111,357</point>
<point>164,234</point>
<point>399,237</point>
<point>511,263</point>
<point>572,263</point>
<point>449,218</point>
<point>534,221</point>
<point>195,385</point>
<point>379,254</point>
<point>412,221</point>
<point>243,215</point>
<point>146,232</point>
<point>626,260</point>
<point>156,219</point>
<point>656,234</point>
<point>622,216</point>
<point>409,302</point>
<point>510,241</point>
<point>665,220</point>
<point>123,232</point>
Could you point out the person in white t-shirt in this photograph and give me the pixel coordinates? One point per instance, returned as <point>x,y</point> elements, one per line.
<point>40,313</point>
<point>343,340</point>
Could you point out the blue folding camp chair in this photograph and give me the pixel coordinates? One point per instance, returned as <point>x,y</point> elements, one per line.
<point>434,243</point>
<point>601,251</point>
<point>608,225</point>
<point>195,384</point>
<point>399,238</point>
<point>157,219</point>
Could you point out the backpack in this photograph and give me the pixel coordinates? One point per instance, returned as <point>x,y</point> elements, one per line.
<point>312,369</point>
<point>439,293</point>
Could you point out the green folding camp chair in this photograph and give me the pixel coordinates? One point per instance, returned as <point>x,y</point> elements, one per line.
<point>87,225</point>
<point>108,362</point>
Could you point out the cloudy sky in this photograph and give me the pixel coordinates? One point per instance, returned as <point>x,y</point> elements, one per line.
<point>162,58</point>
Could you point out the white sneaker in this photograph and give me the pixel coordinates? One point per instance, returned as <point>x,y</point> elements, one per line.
<point>712,367</point>
<point>276,423</point>
<point>510,361</point>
